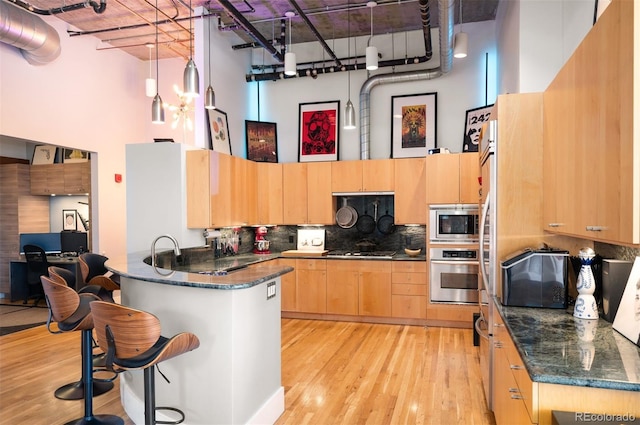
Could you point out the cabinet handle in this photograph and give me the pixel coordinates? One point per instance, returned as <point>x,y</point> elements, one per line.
<point>514,390</point>
<point>517,397</point>
<point>596,228</point>
<point>516,367</point>
<point>555,224</point>
<point>498,344</point>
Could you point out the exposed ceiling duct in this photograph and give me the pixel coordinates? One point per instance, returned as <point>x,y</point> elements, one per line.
<point>446,62</point>
<point>38,41</point>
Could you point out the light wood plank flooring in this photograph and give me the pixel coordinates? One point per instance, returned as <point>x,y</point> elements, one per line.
<point>333,373</point>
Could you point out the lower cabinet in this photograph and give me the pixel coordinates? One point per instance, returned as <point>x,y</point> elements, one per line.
<point>342,287</point>
<point>513,389</point>
<point>288,285</point>
<point>374,285</point>
<point>409,289</point>
<point>311,285</point>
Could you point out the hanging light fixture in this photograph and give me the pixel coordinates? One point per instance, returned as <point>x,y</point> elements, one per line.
<point>157,109</point>
<point>290,57</point>
<point>460,41</point>
<point>191,79</point>
<point>209,95</point>
<point>150,83</point>
<point>349,112</point>
<point>372,51</point>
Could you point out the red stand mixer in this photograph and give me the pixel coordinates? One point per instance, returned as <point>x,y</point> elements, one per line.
<point>261,245</point>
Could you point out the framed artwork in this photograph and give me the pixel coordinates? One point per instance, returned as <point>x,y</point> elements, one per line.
<point>69,220</point>
<point>318,125</point>
<point>473,122</point>
<point>44,154</point>
<point>262,141</point>
<point>627,320</point>
<point>413,125</point>
<point>219,139</point>
<point>74,155</point>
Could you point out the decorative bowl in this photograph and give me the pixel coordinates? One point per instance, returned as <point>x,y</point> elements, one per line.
<point>412,252</point>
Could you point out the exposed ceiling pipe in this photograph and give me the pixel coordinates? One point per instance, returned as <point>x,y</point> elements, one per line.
<point>98,8</point>
<point>38,41</point>
<point>316,33</point>
<point>446,61</point>
<point>246,25</point>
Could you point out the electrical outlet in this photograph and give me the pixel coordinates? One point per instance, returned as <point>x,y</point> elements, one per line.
<point>271,290</point>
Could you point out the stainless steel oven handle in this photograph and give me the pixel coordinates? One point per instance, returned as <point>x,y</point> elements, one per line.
<point>455,262</point>
<point>485,210</point>
<point>484,335</point>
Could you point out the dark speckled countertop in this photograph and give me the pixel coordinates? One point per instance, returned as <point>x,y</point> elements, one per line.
<point>560,349</point>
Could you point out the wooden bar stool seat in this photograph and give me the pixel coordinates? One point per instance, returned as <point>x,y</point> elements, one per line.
<point>72,312</point>
<point>95,273</point>
<point>132,340</point>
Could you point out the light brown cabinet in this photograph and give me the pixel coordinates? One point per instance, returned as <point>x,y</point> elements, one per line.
<point>269,193</point>
<point>453,178</point>
<point>288,289</point>
<point>513,389</point>
<point>311,285</point>
<point>374,288</point>
<point>373,175</point>
<point>590,165</point>
<point>409,289</point>
<point>410,204</point>
<point>68,179</point>
<point>221,190</point>
<point>342,287</point>
<point>307,193</point>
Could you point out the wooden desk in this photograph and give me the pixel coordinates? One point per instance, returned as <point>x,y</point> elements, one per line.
<point>18,270</point>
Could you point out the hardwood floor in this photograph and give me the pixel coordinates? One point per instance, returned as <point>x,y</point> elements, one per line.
<point>333,373</point>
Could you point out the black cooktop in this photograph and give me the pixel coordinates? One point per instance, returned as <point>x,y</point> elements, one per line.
<point>363,254</point>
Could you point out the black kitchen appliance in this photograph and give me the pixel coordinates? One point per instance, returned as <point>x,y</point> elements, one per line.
<point>535,278</point>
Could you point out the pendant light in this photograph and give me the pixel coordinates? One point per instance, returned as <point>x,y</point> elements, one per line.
<point>372,51</point>
<point>157,109</point>
<point>150,83</point>
<point>191,79</point>
<point>290,57</point>
<point>209,95</point>
<point>460,41</point>
<point>349,112</point>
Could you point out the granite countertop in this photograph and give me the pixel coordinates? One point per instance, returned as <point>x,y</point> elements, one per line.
<point>235,274</point>
<point>560,349</point>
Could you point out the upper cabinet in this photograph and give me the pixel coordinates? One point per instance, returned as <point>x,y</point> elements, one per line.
<point>307,193</point>
<point>221,190</point>
<point>269,193</point>
<point>68,179</point>
<point>372,175</point>
<point>410,195</point>
<point>591,167</point>
<point>453,178</point>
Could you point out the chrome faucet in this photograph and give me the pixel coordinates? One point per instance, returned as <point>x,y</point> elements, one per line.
<point>176,248</point>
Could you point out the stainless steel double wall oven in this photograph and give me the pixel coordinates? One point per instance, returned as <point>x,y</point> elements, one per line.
<point>453,253</point>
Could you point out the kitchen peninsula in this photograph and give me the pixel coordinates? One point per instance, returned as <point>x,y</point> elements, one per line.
<point>235,375</point>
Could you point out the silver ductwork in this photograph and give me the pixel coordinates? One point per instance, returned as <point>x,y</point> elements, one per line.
<point>38,41</point>
<point>446,62</point>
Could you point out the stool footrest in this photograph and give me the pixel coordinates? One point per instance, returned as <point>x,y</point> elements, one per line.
<point>173,409</point>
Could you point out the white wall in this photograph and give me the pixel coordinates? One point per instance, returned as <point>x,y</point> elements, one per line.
<point>535,38</point>
<point>462,89</point>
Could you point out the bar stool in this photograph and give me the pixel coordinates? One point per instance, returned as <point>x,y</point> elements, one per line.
<point>72,312</point>
<point>75,390</point>
<point>131,338</point>
<point>95,273</point>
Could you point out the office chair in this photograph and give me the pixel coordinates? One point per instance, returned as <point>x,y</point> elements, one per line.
<point>37,266</point>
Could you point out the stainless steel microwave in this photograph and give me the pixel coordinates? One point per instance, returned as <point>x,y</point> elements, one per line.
<point>456,223</point>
